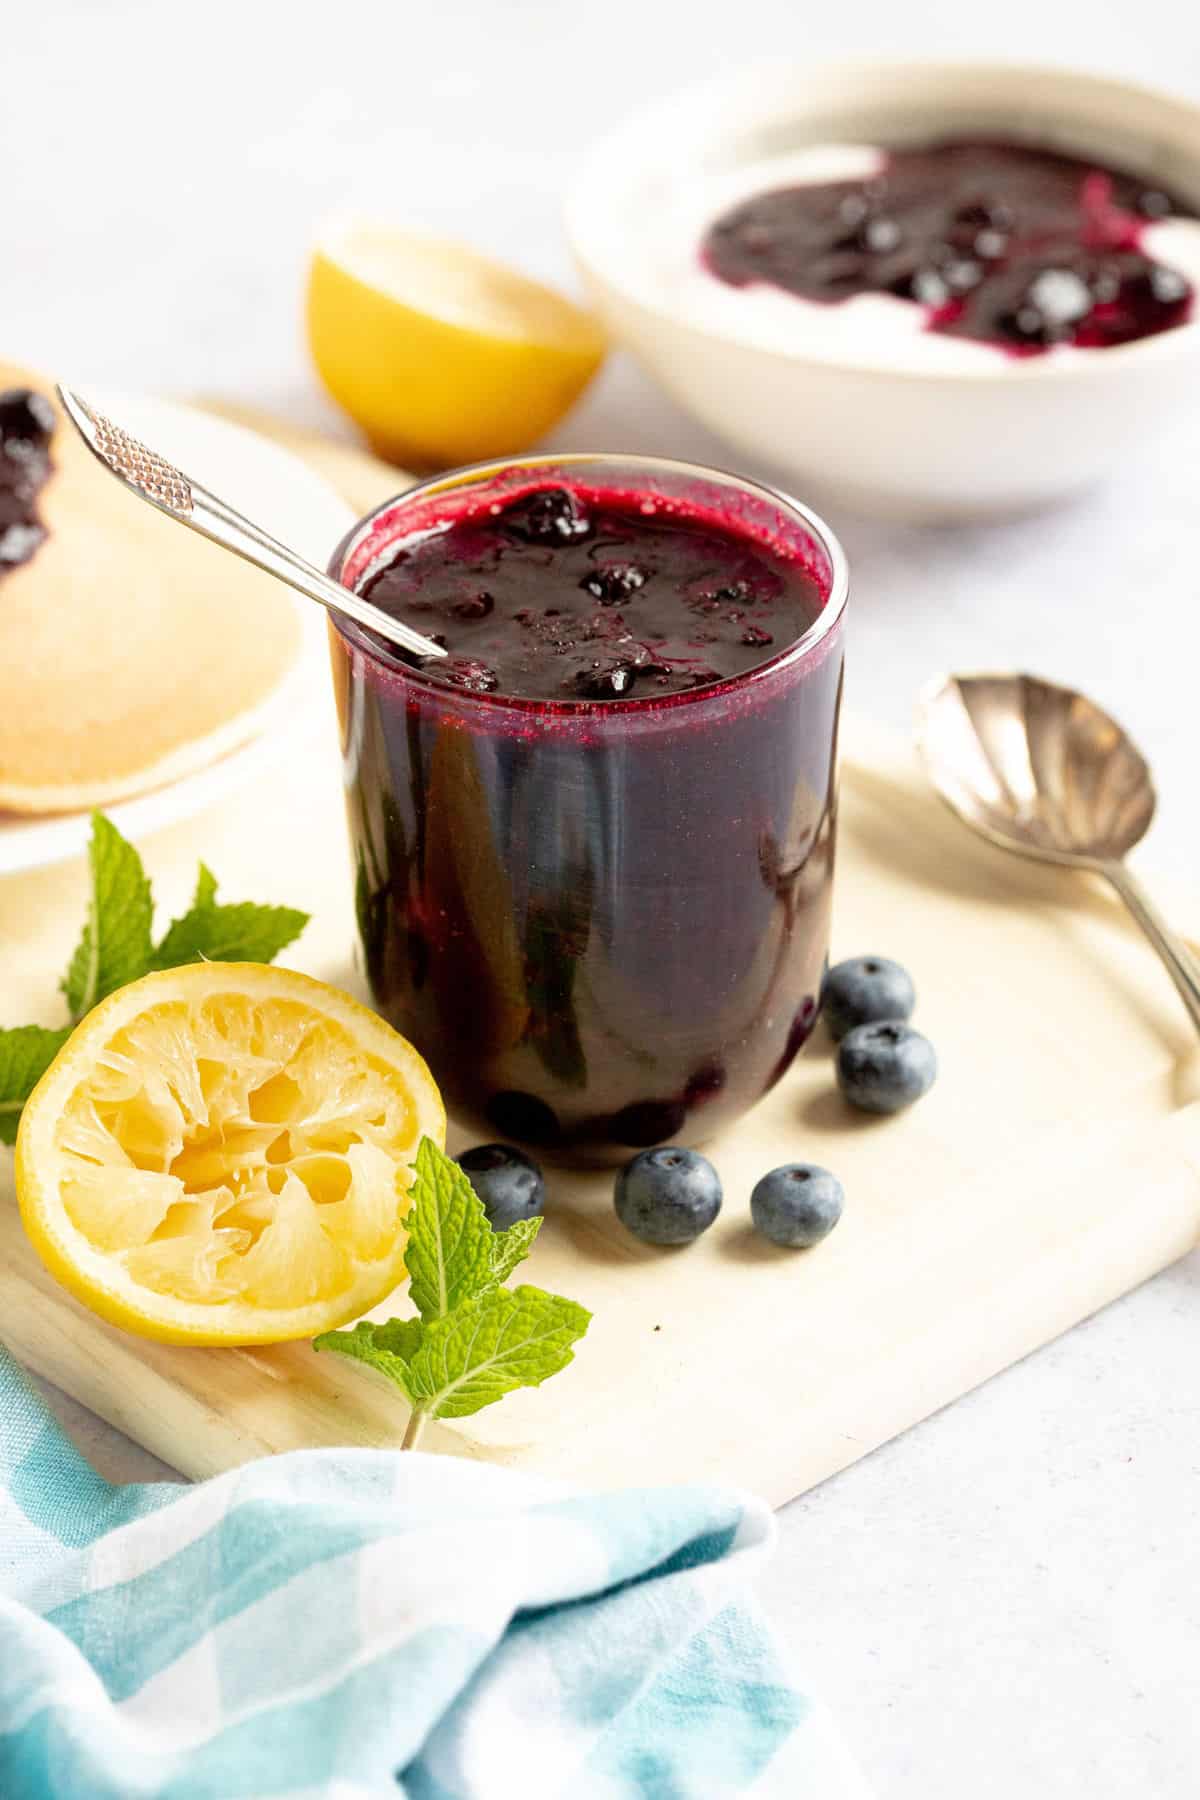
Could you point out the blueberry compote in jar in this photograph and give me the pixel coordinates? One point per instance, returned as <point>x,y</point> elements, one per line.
<point>594,844</point>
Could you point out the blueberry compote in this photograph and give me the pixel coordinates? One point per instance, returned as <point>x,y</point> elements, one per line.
<point>26,427</point>
<point>594,848</point>
<point>552,597</point>
<point>999,241</point>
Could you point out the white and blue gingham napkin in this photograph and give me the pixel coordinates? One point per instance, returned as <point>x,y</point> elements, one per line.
<point>352,1623</point>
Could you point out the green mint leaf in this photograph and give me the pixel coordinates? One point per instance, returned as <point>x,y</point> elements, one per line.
<point>25,1055</point>
<point>115,947</point>
<point>211,933</point>
<point>386,1348</point>
<point>449,1254</point>
<point>206,890</point>
<point>501,1340</point>
<point>512,1247</point>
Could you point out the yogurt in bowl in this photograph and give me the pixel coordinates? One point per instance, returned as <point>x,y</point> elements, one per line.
<point>938,291</point>
<point>981,242</point>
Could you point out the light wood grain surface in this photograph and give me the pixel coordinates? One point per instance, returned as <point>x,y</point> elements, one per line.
<point>980,1224</point>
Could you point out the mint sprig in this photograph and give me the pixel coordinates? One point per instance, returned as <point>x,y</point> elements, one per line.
<point>474,1340</point>
<point>25,1055</point>
<point>211,933</point>
<point>117,947</point>
<point>449,1254</point>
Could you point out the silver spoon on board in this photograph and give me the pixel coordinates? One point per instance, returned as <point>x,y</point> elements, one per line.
<point>1039,769</point>
<point>153,478</point>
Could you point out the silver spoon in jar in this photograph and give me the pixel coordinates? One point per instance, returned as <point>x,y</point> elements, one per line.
<point>1039,769</point>
<point>151,477</point>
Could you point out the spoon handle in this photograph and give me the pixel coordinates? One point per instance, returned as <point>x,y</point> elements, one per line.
<point>158,482</point>
<point>217,520</point>
<point>1178,960</point>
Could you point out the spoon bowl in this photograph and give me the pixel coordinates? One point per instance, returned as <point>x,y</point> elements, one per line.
<point>1043,771</point>
<point>1036,768</point>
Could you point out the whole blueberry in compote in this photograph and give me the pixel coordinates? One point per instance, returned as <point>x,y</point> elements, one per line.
<point>885,1067</point>
<point>797,1205</point>
<point>509,1183</point>
<point>613,585</point>
<point>863,991</point>
<point>605,680</point>
<point>549,516</point>
<point>668,1196</point>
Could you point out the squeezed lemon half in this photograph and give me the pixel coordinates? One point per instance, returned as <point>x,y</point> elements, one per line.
<point>442,355</point>
<point>220,1155</point>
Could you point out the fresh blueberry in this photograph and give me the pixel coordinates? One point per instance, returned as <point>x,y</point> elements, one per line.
<point>797,1205</point>
<point>863,991</point>
<point>884,1067</point>
<point>509,1183</point>
<point>668,1196</point>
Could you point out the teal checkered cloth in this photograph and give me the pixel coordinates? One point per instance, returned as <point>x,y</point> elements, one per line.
<point>354,1623</point>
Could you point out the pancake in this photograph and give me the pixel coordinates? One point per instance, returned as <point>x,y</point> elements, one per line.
<point>132,652</point>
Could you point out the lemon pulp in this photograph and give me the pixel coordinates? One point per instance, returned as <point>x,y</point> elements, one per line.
<point>222,1153</point>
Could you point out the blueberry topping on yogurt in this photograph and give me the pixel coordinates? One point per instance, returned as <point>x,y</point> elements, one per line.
<point>26,427</point>
<point>1008,243</point>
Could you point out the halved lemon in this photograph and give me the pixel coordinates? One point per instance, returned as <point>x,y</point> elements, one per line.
<point>442,355</point>
<point>220,1155</point>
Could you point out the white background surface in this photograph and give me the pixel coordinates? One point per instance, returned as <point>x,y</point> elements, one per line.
<point>1005,1603</point>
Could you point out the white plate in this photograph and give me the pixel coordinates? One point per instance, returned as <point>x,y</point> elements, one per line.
<point>278,492</point>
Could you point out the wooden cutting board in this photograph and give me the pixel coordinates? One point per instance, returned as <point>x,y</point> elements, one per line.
<point>1055,1165</point>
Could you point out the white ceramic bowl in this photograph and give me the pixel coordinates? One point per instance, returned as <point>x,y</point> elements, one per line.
<point>997,435</point>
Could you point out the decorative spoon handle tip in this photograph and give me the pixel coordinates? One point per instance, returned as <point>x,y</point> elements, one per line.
<point>159,482</point>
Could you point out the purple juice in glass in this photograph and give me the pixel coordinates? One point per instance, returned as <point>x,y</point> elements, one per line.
<point>594,845</point>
